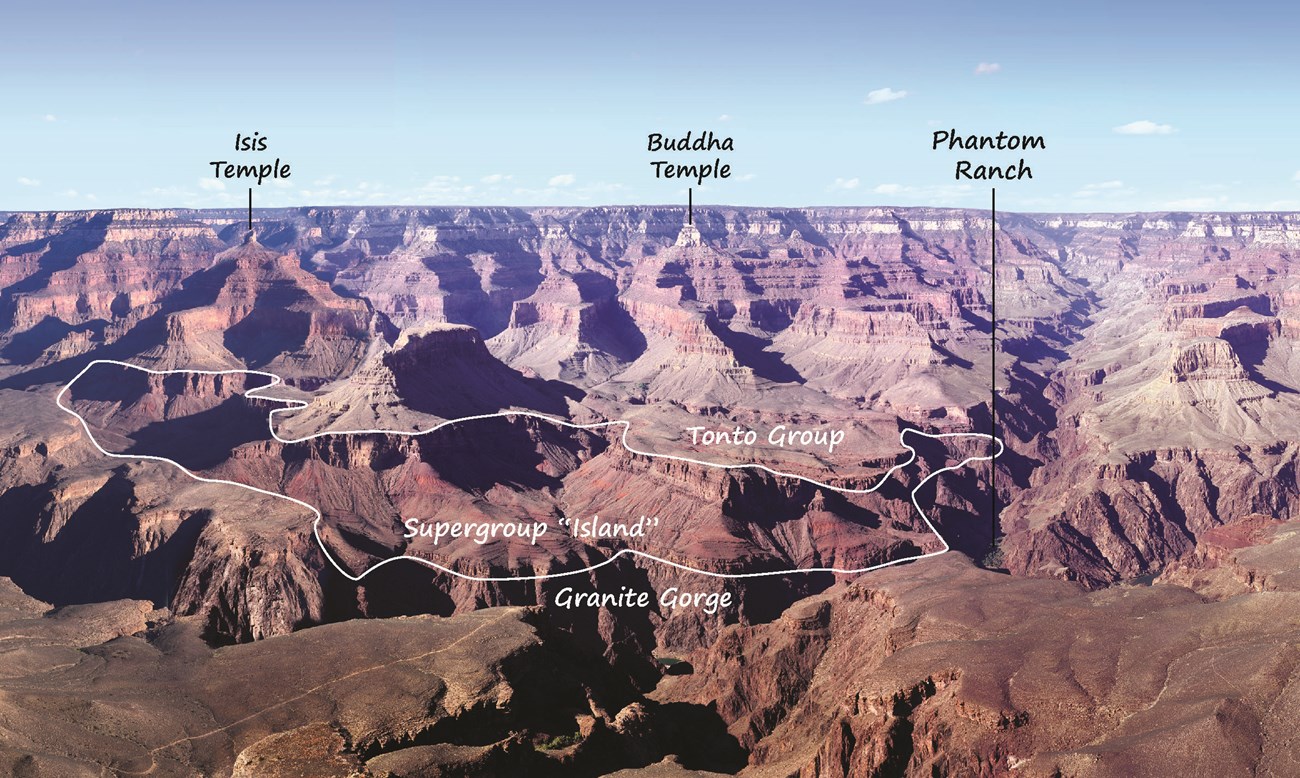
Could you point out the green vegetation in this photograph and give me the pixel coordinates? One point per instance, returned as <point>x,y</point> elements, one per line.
<point>561,741</point>
<point>994,559</point>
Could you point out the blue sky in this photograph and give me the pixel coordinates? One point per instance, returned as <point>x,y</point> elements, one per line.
<point>526,103</point>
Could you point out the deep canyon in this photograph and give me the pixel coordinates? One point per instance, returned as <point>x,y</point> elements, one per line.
<point>1120,583</point>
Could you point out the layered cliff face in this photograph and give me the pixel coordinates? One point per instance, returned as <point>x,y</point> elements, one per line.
<point>949,670</point>
<point>258,308</point>
<point>1177,406</point>
<point>71,280</point>
<point>433,372</point>
<point>167,291</point>
<point>573,328</point>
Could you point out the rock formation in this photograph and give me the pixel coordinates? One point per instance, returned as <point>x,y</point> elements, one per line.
<point>1148,390</point>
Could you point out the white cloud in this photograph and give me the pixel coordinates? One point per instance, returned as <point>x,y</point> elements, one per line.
<point>1104,189</point>
<point>938,194</point>
<point>49,117</point>
<point>884,95</point>
<point>748,177</point>
<point>564,179</point>
<point>1197,203</point>
<point>600,187</point>
<point>438,190</point>
<point>599,191</point>
<point>1145,127</point>
<point>1296,177</point>
<point>172,192</point>
<point>987,68</point>
<point>321,192</point>
<point>25,181</point>
<point>495,178</point>
<point>845,184</point>
<point>212,184</point>
<point>726,117</point>
<point>364,192</point>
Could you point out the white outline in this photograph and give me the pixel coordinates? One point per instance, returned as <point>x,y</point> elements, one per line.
<point>299,404</point>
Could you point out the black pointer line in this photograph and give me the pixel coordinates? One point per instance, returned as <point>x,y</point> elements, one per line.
<point>690,206</point>
<point>250,209</point>
<point>993,398</point>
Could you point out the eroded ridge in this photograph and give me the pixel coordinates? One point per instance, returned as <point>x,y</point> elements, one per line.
<point>292,404</point>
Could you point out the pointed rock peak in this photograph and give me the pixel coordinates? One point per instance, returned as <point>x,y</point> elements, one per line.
<point>250,251</point>
<point>689,236</point>
<point>382,328</point>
